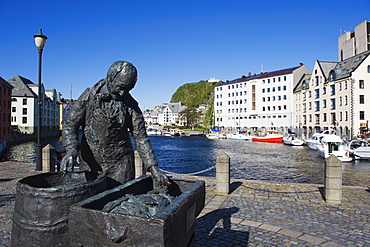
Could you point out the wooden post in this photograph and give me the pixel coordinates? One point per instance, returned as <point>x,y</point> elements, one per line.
<point>223,174</point>
<point>48,159</point>
<point>333,180</point>
<point>139,168</point>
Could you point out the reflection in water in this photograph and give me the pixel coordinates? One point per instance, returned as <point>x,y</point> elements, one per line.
<point>270,162</point>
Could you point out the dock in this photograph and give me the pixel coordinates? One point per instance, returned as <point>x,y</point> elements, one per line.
<point>255,213</point>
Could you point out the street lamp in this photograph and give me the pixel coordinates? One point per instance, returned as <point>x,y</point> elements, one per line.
<point>40,41</point>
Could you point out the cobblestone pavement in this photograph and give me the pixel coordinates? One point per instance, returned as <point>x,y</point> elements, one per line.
<point>254,214</point>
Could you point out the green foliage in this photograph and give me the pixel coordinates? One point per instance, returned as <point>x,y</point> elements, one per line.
<point>192,116</point>
<point>193,94</point>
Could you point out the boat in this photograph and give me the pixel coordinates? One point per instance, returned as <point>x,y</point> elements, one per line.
<point>271,136</point>
<point>152,132</point>
<point>333,144</point>
<point>316,138</point>
<point>359,149</point>
<point>292,139</point>
<point>238,136</point>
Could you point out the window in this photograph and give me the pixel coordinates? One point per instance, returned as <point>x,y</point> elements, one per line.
<point>24,101</point>
<point>361,84</point>
<point>24,120</point>
<point>24,111</point>
<point>263,99</point>
<point>317,80</point>
<point>340,100</point>
<point>332,89</point>
<point>263,90</point>
<point>279,88</point>
<point>14,109</point>
<point>268,90</point>
<point>324,117</point>
<point>362,115</point>
<point>317,106</point>
<point>332,104</point>
<point>284,87</point>
<point>317,93</point>
<point>345,100</point>
<point>368,69</point>
<point>324,90</point>
<point>362,99</point>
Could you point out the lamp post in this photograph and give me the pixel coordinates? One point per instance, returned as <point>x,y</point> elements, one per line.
<point>40,41</point>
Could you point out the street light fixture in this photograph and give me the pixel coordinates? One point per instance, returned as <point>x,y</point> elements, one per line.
<point>40,41</point>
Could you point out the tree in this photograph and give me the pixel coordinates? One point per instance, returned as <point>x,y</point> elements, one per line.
<point>191,115</point>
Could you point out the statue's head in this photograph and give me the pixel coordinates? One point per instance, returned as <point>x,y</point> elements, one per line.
<point>121,77</point>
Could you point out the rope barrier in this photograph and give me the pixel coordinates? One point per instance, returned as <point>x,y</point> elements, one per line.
<point>189,174</point>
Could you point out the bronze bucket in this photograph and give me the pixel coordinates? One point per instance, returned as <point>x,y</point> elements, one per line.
<point>42,203</point>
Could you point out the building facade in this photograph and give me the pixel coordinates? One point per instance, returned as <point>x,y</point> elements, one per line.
<point>25,107</point>
<point>259,101</point>
<point>170,114</point>
<point>335,97</point>
<point>5,108</point>
<point>354,43</point>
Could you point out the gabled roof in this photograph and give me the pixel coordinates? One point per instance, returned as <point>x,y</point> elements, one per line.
<point>326,67</point>
<point>5,83</point>
<point>20,87</point>
<point>176,107</point>
<point>303,83</point>
<point>262,75</point>
<point>344,68</point>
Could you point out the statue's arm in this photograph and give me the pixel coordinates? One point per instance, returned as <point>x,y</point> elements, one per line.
<point>145,148</point>
<point>143,144</point>
<point>74,119</point>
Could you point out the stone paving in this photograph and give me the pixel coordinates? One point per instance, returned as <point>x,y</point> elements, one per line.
<point>254,214</point>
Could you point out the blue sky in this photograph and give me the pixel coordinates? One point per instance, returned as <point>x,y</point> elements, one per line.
<point>170,42</point>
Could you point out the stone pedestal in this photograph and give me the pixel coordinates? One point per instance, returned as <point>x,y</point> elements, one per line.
<point>333,180</point>
<point>139,167</point>
<point>223,174</point>
<point>48,159</point>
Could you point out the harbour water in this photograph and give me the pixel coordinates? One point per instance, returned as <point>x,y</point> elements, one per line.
<point>269,162</point>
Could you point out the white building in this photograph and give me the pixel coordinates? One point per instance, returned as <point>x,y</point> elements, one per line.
<point>258,101</point>
<point>354,43</point>
<point>335,97</point>
<point>169,115</point>
<point>25,107</point>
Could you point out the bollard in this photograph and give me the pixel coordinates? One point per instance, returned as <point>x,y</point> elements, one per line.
<point>48,159</point>
<point>139,168</point>
<point>333,180</point>
<point>223,174</point>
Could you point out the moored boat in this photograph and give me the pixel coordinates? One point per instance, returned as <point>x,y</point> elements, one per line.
<point>238,136</point>
<point>333,144</point>
<point>315,140</point>
<point>292,140</point>
<point>271,136</point>
<point>359,149</point>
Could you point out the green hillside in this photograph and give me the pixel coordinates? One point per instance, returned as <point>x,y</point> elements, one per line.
<point>193,94</point>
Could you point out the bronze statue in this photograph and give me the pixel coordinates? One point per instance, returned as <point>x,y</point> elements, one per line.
<point>108,113</point>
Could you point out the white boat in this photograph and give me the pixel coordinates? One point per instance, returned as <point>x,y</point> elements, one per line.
<point>238,136</point>
<point>152,132</point>
<point>333,144</point>
<point>292,140</point>
<point>359,149</point>
<point>316,138</point>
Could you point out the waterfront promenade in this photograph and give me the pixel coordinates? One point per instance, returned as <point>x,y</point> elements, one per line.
<point>254,214</point>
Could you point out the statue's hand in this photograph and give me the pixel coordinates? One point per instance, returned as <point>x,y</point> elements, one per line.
<point>160,180</point>
<point>67,163</point>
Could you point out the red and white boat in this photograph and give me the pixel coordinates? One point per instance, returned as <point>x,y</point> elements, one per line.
<point>271,136</point>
